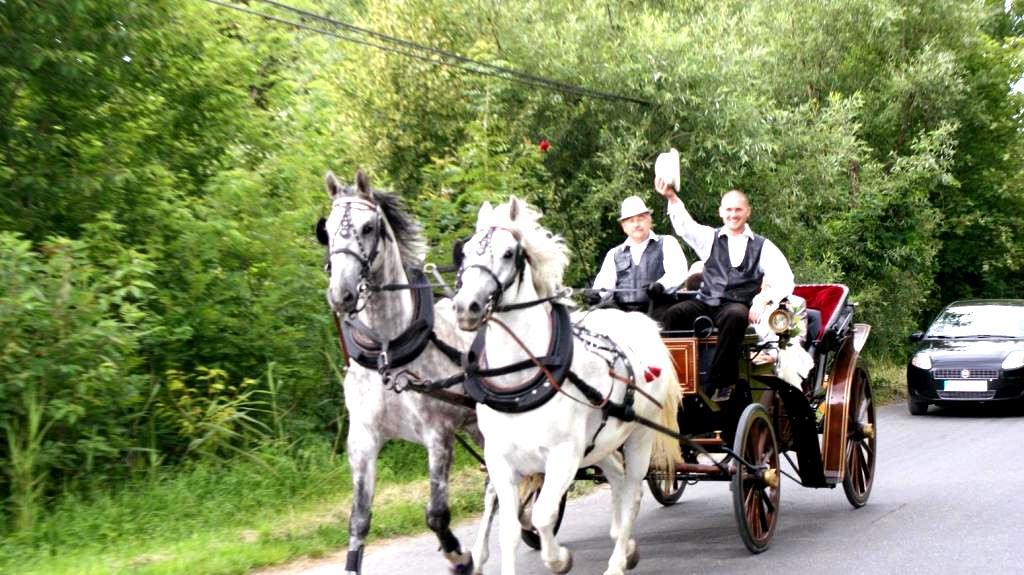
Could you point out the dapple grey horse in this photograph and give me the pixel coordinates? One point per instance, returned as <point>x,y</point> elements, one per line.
<point>393,332</point>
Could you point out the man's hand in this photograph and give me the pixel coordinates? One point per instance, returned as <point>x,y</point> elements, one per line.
<point>655,291</point>
<point>592,296</point>
<point>666,190</point>
<point>759,308</point>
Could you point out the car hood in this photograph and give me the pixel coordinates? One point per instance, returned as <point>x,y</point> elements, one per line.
<point>960,351</point>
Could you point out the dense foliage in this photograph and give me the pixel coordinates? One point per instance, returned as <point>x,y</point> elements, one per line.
<point>161,166</point>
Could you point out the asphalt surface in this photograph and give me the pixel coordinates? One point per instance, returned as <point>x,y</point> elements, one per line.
<point>948,497</point>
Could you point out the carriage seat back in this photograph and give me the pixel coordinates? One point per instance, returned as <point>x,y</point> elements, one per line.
<point>828,300</point>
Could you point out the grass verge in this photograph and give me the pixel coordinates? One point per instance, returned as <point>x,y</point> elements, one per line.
<point>229,517</point>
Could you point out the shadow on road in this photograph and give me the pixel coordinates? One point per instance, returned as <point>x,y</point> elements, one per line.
<point>1001,409</point>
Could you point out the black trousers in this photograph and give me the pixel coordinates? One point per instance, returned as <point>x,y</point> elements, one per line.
<point>731,320</point>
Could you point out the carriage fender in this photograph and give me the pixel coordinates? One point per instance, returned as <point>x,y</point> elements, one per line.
<point>837,402</point>
<point>860,336</point>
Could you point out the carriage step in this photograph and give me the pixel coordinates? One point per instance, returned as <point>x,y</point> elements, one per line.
<point>698,468</point>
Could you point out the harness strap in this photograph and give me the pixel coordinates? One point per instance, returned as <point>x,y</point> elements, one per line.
<point>449,351</point>
<point>548,361</point>
<point>567,292</point>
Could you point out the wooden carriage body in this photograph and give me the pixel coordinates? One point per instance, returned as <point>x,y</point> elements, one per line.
<point>828,421</point>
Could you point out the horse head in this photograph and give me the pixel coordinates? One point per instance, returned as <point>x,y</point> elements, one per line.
<point>509,258</point>
<point>364,229</point>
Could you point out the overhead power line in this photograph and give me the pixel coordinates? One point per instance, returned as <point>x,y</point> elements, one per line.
<point>428,54</point>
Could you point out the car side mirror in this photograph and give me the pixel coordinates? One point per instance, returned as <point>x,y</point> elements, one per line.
<point>916,336</point>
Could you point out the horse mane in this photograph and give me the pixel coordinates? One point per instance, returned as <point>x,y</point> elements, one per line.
<point>547,252</point>
<point>405,229</point>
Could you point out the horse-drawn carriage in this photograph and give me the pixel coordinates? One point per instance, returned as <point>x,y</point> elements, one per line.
<point>828,422</point>
<point>555,393</point>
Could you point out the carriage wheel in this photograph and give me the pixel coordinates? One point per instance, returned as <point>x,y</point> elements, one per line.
<point>859,472</point>
<point>665,492</point>
<point>755,492</point>
<point>530,536</point>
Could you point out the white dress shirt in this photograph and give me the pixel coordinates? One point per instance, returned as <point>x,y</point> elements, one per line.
<point>672,255</point>
<point>778,277</point>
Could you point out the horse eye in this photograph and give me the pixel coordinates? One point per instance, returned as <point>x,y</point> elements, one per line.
<point>327,268</point>
<point>367,228</point>
<point>508,254</point>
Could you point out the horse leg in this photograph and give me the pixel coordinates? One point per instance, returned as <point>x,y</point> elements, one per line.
<point>363,447</point>
<point>481,547</point>
<point>439,455</point>
<point>637,451</point>
<point>483,532</point>
<point>505,484</point>
<point>558,476</point>
<point>614,472</point>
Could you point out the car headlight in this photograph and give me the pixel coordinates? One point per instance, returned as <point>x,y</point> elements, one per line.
<point>1014,359</point>
<point>921,360</point>
<point>780,321</point>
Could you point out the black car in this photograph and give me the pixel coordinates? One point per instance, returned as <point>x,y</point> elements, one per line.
<point>972,352</point>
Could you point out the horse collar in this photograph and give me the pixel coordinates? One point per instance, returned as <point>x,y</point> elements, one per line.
<point>534,392</point>
<point>369,351</point>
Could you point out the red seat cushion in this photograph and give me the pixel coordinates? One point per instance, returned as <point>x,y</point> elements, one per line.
<point>826,298</point>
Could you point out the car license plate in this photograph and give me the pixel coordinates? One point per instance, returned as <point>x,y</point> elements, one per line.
<point>966,385</point>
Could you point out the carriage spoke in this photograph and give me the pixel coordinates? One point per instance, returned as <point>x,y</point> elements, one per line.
<point>762,511</point>
<point>761,439</point>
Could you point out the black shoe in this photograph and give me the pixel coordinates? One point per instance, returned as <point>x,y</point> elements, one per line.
<point>722,394</point>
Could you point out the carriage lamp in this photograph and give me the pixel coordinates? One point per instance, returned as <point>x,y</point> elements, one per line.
<point>780,321</point>
<point>1014,359</point>
<point>921,360</point>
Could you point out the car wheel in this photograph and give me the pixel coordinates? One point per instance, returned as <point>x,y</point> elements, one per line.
<point>917,407</point>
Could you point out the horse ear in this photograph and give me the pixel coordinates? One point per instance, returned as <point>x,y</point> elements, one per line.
<point>363,184</point>
<point>513,208</point>
<point>484,215</point>
<point>321,231</point>
<point>457,255</point>
<point>334,188</point>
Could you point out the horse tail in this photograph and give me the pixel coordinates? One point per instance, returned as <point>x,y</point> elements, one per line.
<point>666,453</point>
<point>529,484</point>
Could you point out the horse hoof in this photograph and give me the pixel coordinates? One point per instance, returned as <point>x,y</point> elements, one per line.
<point>634,556</point>
<point>566,564</point>
<point>462,568</point>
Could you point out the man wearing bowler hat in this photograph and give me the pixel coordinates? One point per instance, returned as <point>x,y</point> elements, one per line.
<point>645,264</point>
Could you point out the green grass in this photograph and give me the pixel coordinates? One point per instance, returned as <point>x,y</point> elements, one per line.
<point>888,380</point>
<point>229,517</point>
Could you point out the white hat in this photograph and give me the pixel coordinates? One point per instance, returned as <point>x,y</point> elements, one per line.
<point>632,206</point>
<point>667,167</point>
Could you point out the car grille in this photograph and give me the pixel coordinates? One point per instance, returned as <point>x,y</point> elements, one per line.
<point>956,373</point>
<point>972,395</point>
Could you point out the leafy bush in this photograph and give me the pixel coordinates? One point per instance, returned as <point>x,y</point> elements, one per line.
<point>70,323</point>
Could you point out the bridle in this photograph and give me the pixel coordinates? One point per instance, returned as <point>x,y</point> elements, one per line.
<point>347,230</point>
<point>484,246</point>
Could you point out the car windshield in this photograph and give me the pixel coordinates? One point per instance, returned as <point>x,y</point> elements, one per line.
<point>978,321</point>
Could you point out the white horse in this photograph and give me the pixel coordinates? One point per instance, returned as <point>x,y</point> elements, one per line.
<point>510,268</point>
<point>372,243</point>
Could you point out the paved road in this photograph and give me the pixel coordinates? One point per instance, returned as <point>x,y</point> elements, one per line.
<point>948,498</point>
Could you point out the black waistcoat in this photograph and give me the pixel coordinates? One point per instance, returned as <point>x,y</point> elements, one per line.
<point>723,283</point>
<point>628,275</point>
